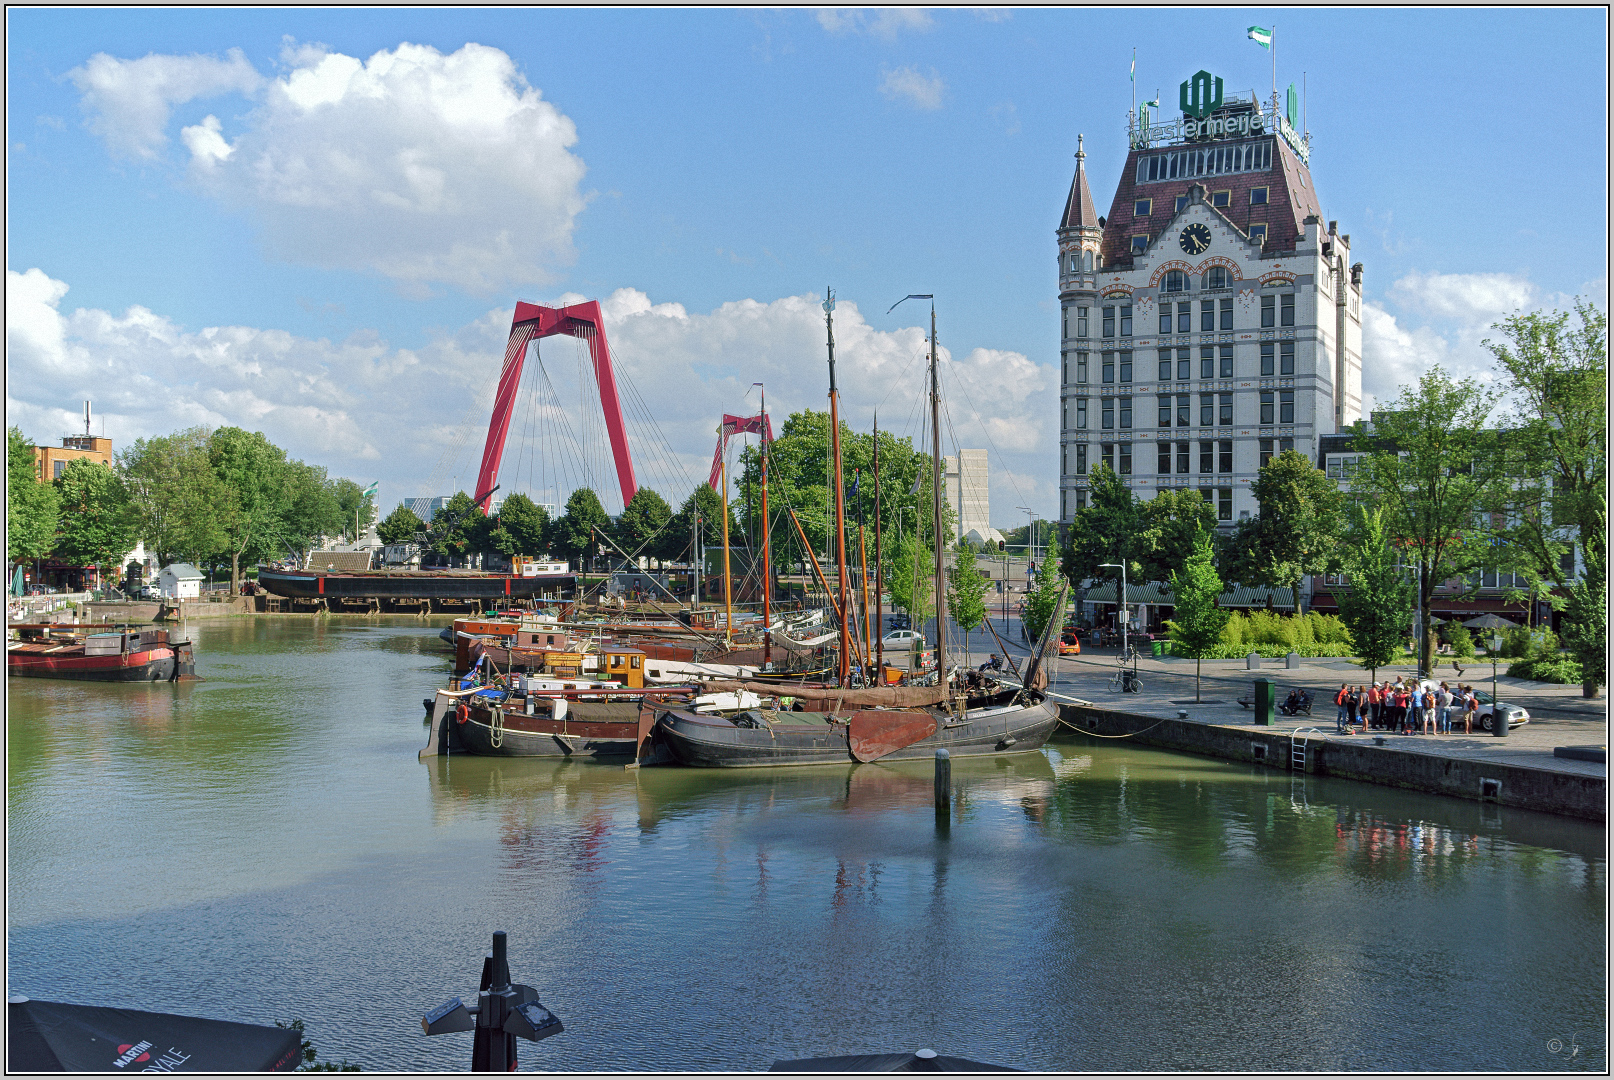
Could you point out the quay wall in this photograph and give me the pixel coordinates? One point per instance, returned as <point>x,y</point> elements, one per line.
<point>1570,794</point>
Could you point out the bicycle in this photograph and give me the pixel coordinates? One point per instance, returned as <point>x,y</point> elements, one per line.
<point>1125,681</point>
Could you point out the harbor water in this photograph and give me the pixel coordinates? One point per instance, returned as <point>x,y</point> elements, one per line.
<point>264,845</point>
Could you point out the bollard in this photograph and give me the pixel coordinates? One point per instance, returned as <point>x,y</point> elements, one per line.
<point>1253,661</point>
<point>944,782</point>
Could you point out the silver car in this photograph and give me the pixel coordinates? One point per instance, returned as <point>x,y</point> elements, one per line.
<point>1515,714</point>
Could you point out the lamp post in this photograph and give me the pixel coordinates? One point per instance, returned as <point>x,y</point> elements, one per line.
<point>1496,647</point>
<point>1122,606</point>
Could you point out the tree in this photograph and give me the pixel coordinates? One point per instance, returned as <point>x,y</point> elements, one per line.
<point>1105,531</point>
<point>525,522</point>
<point>252,501</point>
<point>966,592</point>
<point>1169,525</point>
<point>1377,606</point>
<point>910,578</point>
<point>1044,595</point>
<point>357,508</point>
<point>456,529</point>
<point>174,493</point>
<point>679,536</point>
<point>97,527</point>
<point>401,526</point>
<point>643,524</point>
<point>1585,622</point>
<point>31,507</point>
<point>1298,524</point>
<point>1435,471</point>
<point>572,534</point>
<point>310,508</point>
<point>1196,623</point>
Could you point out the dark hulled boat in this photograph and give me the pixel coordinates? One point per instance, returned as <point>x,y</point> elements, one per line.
<point>116,654</point>
<point>413,584</point>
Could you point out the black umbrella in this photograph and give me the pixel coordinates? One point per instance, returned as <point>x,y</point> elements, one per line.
<point>919,1061</point>
<point>1490,621</point>
<point>55,1036</point>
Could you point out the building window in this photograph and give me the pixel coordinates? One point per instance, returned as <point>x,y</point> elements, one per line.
<point>1126,367</point>
<point>1286,406</point>
<point>1224,407</point>
<point>1081,414</point>
<point>1108,367</point>
<point>1165,318</point>
<point>1126,320</point>
<point>1224,504</point>
<point>1107,415</point>
<point>1185,366</point>
<point>1184,411</point>
<point>1184,453</point>
<point>1081,499</point>
<point>57,467</point>
<point>1164,401</point>
<point>1254,156</point>
<point>1267,365</point>
<point>1207,361</point>
<point>1081,322</point>
<point>1207,316</point>
<point>1142,207</point>
<point>1268,311</point>
<point>1109,320</point>
<point>1165,365</point>
<point>1258,233</point>
<point>1210,495</point>
<point>1226,357</point>
<point>1081,459</point>
<point>1176,281</point>
<point>1227,314</point>
<point>1266,452</point>
<point>1081,367</point>
<point>1163,465</point>
<point>1207,410</point>
<point>1216,277</point>
<point>1266,408</point>
<point>1285,444</point>
<point>1224,456</point>
<point>1126,459</point>
<point>1221,198</point>
<point>1106,451</point>
<point>1286,309</point>
<point>1258,196</point>
<point>1207,457</point>
<point>1126,412</point>
<point>1182,203</point>
<point>1185,318</point>
<point>1286,356</point>
<point>1140,244</point>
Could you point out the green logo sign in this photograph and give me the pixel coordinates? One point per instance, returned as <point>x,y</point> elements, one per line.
<point>1293,108</point>
<point>1201,95</point>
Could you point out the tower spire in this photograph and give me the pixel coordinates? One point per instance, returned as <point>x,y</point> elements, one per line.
<point>1080,213</point>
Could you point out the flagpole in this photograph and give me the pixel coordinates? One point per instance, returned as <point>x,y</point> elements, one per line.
<point>1274,66</point>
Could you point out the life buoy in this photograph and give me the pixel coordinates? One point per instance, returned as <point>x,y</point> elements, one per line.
<point>464,713</point>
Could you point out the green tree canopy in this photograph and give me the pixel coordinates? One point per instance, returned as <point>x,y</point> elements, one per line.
<point>174,493</point>
<point>31,507</point>
<point>910,578</point>
<point>457,528</point>
<point>1436,472</point>
<point>1377,604</point>
<point>1196,623</point>
<point>1044,594</point>
<point>526,524</point>
<point>1298,525</point>
<point>572,534</point>
<point>1169,526</point>
<point>400,526</point>
<point>97,526</point>
<point>680,535</point>
<point>356,508</point>
<point>645,525</point>
<point>1107,530</point>
<point>966,592</point>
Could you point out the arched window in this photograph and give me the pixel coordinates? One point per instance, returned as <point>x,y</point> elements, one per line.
<point>1176,281</point>
<point>1087,262</point>
<point>1216,277</point>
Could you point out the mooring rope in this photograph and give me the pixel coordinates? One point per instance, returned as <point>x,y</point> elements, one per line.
<point>1096,735</point>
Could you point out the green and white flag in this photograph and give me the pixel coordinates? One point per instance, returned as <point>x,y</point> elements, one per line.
<point>370,492</point>
<point>1261,37</point>
<point>1132,72</point>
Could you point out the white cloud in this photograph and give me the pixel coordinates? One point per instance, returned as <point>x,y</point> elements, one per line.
<point>129,101</point>
<point>1468,298</point>
<point>923,92</point>
<point>425,167</point>
<point>879,22</point>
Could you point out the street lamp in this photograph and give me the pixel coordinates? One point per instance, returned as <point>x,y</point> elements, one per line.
<point>1122,568</point>
<point>1496,647</point>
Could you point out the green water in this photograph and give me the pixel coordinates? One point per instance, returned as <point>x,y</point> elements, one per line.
<point>264,844</point>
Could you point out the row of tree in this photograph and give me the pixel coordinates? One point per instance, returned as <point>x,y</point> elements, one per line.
<point>208,496</point>
<point>1441,492</point>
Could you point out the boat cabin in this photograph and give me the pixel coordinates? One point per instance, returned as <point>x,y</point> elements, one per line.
<point>625,666</point>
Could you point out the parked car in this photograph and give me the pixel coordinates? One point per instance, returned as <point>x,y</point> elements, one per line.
<point>1069,645</point>
<point>151,592</point>
<point>1515,714</point>
<point>903,639</point>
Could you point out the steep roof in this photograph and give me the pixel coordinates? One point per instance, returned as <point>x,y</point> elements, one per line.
<point>1080,213</point>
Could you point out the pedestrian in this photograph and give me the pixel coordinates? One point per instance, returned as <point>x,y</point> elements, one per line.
<point>1340,699</point>
<point>1443,701</point>
<point>1374,699</point>
<point>1411,705</point>
<point>1470,707</point>
<point>1428,718</point>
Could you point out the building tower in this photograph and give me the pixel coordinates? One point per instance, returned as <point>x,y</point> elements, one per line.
<point>1219,323</point>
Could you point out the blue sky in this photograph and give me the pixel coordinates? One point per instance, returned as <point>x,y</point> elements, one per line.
<point>334,272</point>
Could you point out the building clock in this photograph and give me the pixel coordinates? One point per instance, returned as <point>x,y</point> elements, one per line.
<point>1195,239</point>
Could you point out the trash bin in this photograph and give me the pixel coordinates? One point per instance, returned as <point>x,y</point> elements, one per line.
<point>1160,648</point>
<point>1499,720</point>
<point>1265,702</point>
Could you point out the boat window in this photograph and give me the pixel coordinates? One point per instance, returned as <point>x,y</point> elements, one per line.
<point>633,662</point>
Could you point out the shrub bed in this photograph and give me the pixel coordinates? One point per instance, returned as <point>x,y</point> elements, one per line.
<point>1548,669</point>
<point>1271,652</point>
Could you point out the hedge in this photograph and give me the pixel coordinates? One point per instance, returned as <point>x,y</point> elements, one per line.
<point>1271,652</point>
<point>1552,669</point>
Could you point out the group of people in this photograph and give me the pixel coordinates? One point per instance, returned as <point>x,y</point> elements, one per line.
<point>1408,707</point>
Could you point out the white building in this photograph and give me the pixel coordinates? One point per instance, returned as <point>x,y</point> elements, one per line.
<point>964,482</point>
<point>179,581</point>
<point>1211,320</point>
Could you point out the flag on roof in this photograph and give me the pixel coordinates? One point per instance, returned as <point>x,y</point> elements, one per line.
<point>369,492</point>
<point>1260,36</point>
<point>1132,72</point>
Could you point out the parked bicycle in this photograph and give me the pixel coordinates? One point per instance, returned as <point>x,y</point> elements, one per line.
<point>1125,681</point>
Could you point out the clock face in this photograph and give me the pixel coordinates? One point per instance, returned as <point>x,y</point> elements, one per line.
<point>1195,239</point>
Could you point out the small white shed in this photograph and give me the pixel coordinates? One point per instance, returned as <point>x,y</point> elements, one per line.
<point>178,581</point>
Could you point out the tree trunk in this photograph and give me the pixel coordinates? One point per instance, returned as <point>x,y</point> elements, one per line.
<point>235,573</point>
<point>1196,680</point>
<point>1589,688</point>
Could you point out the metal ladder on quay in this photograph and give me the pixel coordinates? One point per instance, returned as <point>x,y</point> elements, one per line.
<point>1297,746</point>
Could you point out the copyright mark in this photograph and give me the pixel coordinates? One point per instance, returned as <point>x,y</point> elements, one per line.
<point>1556,1046</point>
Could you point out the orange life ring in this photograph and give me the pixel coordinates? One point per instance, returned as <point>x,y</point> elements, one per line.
<point>464,713</point>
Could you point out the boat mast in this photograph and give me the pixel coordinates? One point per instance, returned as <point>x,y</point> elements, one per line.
<point>879,564</point>
<point>844,666</point>
<point>728,598</point>
<point>767,558</point>
<point>936,503</point>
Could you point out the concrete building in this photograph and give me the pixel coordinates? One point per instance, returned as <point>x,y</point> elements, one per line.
<point>1211,319</point>
<point>180,581</point>
<point>965,485</point>
<point>50,461</point>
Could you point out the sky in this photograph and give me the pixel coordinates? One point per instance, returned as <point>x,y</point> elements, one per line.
<point>315,223</point>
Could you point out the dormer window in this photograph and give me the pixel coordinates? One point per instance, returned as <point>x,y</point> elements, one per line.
<point>1176,281</point>
<point>1258,233</point>
<point>1141,207</point>
<point>1140,244</point>
<point>1258,196</point>
<point>1220,198</point>
<point>1182,202</point>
